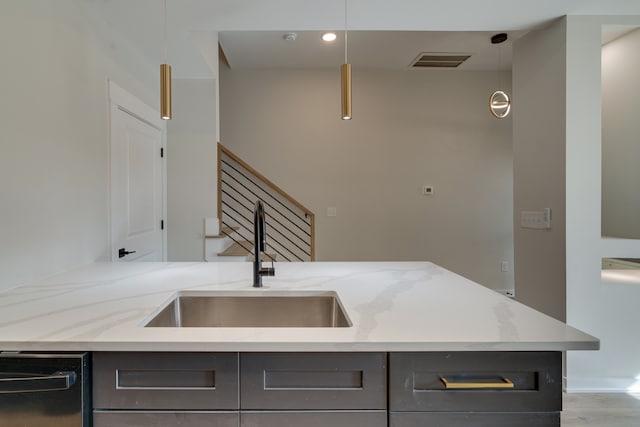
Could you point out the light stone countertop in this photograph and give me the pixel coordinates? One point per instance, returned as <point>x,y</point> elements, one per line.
<point>394,306</point>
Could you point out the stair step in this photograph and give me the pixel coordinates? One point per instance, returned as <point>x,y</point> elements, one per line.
<point>265,257</point>
<point>240,248</point>
<point>224,231</point>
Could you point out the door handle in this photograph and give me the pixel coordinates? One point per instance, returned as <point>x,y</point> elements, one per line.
<point>122,252</point>
<point>28,383</point>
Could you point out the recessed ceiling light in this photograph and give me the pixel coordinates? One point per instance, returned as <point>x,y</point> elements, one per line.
<point>290,37</point>
<point>329,37</point>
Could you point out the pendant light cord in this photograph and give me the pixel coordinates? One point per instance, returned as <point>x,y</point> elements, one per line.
<point>499,67</point>
<point>165,32</point>
<point>345,32</point>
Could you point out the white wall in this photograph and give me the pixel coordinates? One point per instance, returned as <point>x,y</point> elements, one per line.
<point>620,130</point>
<point>557,79</point>
<point>191,167</point>
<point>54,186</point>
<point>539,166</point>
<point>409,129</point>
<point>608,311</point>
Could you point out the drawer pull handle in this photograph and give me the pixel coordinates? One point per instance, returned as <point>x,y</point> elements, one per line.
<point>478,383</point>
<point>27,383</point>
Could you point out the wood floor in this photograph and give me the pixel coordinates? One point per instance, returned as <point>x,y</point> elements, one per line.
<point>601,410</point>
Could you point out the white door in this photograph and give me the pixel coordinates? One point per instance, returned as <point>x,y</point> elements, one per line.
<point>136,182</point>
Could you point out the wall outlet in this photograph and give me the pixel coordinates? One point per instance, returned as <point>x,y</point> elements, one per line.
<point>427,190</point>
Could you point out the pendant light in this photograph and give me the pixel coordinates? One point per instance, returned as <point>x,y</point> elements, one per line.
<point>345,72</point>
<point>499,101</point>
<point>165,77</point>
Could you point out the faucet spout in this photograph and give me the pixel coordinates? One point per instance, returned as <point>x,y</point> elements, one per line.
<point>260,245</point>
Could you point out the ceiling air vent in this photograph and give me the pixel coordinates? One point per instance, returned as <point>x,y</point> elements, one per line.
<point>439,60</point>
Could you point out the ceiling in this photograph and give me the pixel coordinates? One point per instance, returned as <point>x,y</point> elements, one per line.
<point>395,50</point>
<point>393,26</point>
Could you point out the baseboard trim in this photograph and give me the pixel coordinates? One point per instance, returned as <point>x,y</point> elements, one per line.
<point>602,385</point>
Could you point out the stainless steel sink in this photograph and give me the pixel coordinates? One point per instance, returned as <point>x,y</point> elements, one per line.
<point>251,310</point>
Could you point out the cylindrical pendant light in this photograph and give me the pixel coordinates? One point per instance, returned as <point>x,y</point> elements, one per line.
<point>165,91</point>
<point>165,77</point>
<point>345,72</point>
<point>346,91</point>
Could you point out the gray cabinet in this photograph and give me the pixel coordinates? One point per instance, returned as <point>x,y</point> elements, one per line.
<point>200,381</point>
<point>165,389</point>
<point>473,419</point>
<point>306,381</point>
<point>453,389</point>
<point>313,418</point>
<point>203,389</point>
<point>475,389</point>
<point>313,389</point>
<point>164,419</point>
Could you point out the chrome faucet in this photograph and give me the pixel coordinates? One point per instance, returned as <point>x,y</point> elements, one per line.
<point>259,246</point>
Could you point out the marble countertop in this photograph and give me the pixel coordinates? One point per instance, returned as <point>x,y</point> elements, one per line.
<point>394,306</point>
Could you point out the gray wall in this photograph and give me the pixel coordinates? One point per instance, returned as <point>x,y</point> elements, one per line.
<point>54,131</point>
<point>539,166</point>
<point>557,163</point>
<point>608,311</point>
<point>409,129</point>
<point>191,167</point>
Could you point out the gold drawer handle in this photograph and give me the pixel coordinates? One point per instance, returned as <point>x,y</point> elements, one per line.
<point>499,382</point>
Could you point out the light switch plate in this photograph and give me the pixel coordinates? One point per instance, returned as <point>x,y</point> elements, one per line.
<point>540,220</point>
<point>504,266</point>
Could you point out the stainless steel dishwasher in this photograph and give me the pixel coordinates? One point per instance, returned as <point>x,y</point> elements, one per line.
<point>45,389</point>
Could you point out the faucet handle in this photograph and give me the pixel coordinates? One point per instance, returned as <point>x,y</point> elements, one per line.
<point>267,271</point>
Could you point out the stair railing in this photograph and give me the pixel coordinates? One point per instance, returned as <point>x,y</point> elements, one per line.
<point>290,225</point>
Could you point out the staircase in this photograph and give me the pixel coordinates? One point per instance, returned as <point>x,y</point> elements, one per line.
<point>290,225</point>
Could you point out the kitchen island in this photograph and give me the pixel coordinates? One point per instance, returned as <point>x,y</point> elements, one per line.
<point>424,345</point>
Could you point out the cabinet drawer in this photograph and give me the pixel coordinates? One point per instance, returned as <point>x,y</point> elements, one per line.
<point>313,380</point>
<point>474,419</point>
<point>314,419</point>
<point>417,381</point>
<point>164,419</point>
<point>165,381</point>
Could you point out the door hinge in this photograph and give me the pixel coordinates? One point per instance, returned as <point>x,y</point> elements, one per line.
<point>162,224</point>
<point>161,152</point>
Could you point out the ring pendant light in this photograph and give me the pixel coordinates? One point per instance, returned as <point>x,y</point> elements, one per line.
<point>499,101</point>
